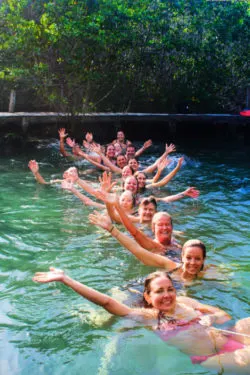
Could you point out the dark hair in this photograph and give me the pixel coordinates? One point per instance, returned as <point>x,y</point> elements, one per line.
<point>148,281</point>
<point>195,243</point>
<point>131,145</point>
<point>147,200</point>
<point>106,147</point>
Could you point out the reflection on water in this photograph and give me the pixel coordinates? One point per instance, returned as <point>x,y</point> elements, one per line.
<point>47,329</point>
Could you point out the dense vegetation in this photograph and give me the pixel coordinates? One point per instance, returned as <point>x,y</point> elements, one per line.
<point>126,55</point>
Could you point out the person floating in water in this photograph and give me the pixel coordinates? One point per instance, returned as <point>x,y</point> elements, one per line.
<point>182,321</point>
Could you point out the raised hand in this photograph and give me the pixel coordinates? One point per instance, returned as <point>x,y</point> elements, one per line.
<point>170,148</point>
<point>192,192</point>
<point>71,174</point>
<point>162,164</point>
<point>70,142</point>
<point>62,133</point>
<point>180,161</point>
<point>47,277</point>
<point>96,148</point>
<point>102,221</point>
<point>147,144</point>
<point>33,166</point>
<point>67,185</point>
<point>106,181</point>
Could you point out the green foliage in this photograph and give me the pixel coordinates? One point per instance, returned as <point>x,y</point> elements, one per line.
<point>156,55</point>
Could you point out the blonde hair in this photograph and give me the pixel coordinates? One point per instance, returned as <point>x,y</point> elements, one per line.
<point>158,215</point>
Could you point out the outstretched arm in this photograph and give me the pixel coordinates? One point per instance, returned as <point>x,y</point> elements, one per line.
<point>168,150</point>
<point>71,174</point>
<point>108,303</point>
<point>167,178</point>
<point>34,167</point>
<point>106,161</point>
<point>214,315</point>
<point>145,241</point>
<point>62,136</point>
<point>67,185</point>
<point>79,152</point>
<point>161,165</point>
<point>189,192</point>
<point>145,256</point>
<point>146,145</point>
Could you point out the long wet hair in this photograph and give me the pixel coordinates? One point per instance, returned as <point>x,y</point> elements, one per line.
<point>140,190</point>
<point>148,281</point>
<point>195,243</point>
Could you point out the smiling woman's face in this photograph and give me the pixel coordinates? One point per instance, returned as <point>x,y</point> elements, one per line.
<point>162,294</point>
<point>193,260</point>
<point>131,184</point>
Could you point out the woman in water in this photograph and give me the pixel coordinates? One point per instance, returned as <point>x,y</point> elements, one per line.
<point>182,321</point>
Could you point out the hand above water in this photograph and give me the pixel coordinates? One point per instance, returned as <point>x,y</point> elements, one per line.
<point>46,277</point>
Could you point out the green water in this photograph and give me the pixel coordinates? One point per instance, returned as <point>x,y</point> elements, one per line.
<point>47,329</point>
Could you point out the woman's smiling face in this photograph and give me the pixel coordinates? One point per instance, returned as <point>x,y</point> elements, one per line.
<point>193,260</point>
<point>162,294</point>
<point>131,184</point>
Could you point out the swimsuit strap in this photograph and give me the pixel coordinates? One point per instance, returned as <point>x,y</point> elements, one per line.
<point>162,318</point>
<point>175,269</point>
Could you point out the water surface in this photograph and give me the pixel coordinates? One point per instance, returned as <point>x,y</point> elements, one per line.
<point>47,329</point>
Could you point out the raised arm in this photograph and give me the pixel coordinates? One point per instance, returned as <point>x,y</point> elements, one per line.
<point>146,145</point>
<point>78,151</point>
<point>110,304</point>
<point>68,185</point>
<point>145,241</point>
<point>161,165</point>
<point>106,161</point>
<point>71,174</point>
<point>145,256</point>
<point>34,167</point>
<point>191,192</point>
<point>168,150</point>
<point>167,178</point>
<point>62,135</point>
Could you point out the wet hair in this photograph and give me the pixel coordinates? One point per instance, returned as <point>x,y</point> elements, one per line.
<point>140,189</point>
<point>131,145</point>
<point>195,243</point>
<point>157,215</point>
<point>148,281</point>
<point>147,200</point>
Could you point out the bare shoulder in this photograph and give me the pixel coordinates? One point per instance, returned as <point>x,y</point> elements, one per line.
<point>190,302</point>
<point>146,314</point>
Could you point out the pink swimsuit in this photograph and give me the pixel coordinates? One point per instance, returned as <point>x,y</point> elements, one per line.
<point>230,346</point>
<point>168,327</point>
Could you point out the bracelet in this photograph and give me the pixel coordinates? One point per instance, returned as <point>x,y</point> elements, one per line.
<point>112,228</point>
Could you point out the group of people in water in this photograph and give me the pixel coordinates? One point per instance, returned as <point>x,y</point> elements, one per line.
<point>180,320</point>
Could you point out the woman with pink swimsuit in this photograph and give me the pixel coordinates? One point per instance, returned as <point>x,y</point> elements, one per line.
<point>182,321</point>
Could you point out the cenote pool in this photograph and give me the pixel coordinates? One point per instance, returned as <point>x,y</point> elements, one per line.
<point>47,329</point>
